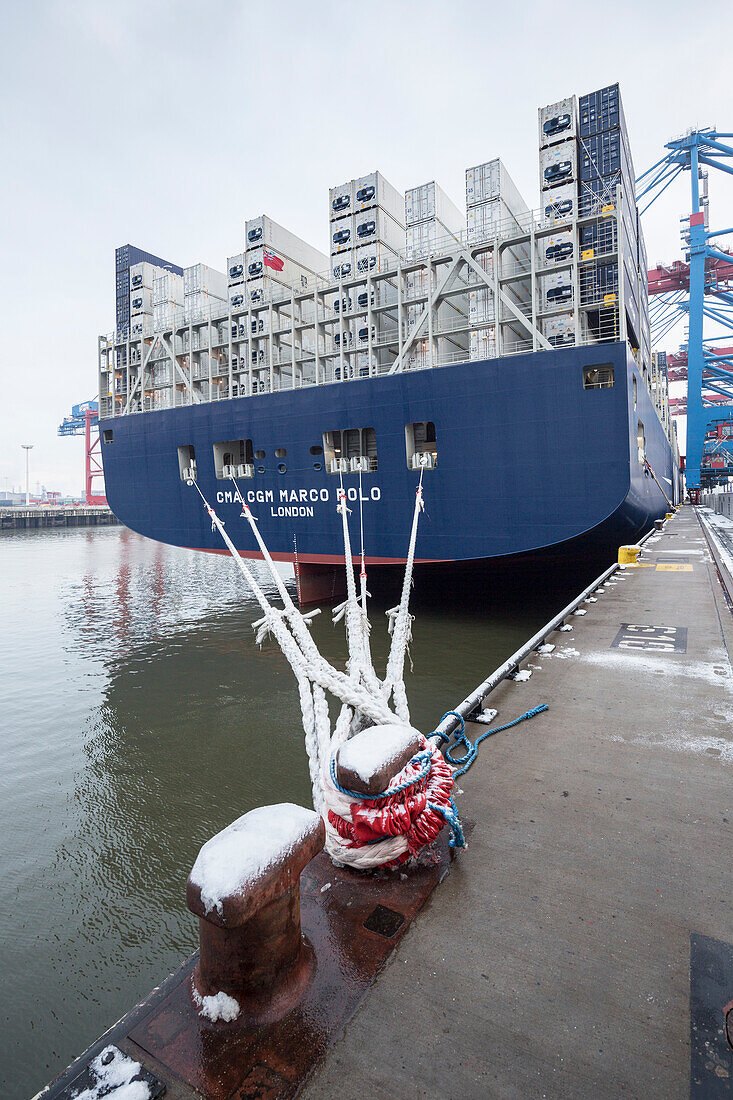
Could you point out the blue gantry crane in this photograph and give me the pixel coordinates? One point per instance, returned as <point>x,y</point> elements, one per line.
<point>699,290</point>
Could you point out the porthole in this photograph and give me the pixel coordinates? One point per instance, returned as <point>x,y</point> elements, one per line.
<point>280,452</point>
<point>317,465</point>
<point>281,468</point>
<point>260,469</point>
<point>259,454</point>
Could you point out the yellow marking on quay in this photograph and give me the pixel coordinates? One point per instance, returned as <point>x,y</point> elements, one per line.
<point>674,568</point>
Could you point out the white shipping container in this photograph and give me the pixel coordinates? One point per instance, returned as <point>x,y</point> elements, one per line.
<point>200,305</point>
<point>494,219</point>
<point>560,204</point>
<point>430,201</point>
<point>558,121</point>
<point>238,297</point>
<point>375,257</point>
<point>264,232</point>
<point>559,330</point>
<point>235,268</point>
<point>143,274</point>
<point>558,165</point>
<point>202,278</point>
<point>341,235</point>
<point>343,266</point>
<point>417,284</point>
<point>428,236</point>
<point>481,306</point>
<point>375,190</point>
<point>556,249</point>
<point>340,200</point>
<point>168,288</point>
<point>141,301</point>
<point>141,325</point>
<point>557,290</point>
<point>489,181</point>
<point>377,225</point>
<point>483,344</point>
<point>267,263</point>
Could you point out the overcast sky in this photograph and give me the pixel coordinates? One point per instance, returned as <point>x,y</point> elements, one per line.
<point>165,124</point>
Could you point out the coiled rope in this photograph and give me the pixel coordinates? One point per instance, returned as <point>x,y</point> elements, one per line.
<point>463,763</point>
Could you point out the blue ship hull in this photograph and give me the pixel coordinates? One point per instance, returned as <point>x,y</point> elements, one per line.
<point>528,460</point>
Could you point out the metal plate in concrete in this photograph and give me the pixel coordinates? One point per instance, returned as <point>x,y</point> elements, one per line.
<point>711,1002</point>
<point>658,639</point>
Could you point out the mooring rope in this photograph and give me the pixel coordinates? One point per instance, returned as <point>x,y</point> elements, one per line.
<point>463,763</point>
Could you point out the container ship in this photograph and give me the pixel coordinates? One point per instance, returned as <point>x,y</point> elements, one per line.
<point>502,355</point>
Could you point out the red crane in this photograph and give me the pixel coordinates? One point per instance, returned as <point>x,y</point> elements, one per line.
<point>83,418</point>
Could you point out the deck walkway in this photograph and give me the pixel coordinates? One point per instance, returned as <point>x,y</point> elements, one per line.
<point>555,960</point>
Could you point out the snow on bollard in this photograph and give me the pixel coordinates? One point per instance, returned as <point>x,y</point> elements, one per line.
<point>245,889</point>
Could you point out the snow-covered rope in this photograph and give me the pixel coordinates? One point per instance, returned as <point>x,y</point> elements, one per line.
<point>402,624</point>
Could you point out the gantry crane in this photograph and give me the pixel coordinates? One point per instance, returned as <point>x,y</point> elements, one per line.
<point>84,418</point>
<point>700,289</point>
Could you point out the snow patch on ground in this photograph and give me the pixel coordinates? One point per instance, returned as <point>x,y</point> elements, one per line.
<point>546,648</point>
<point>580,611</point>
<point>241,853</point>
<point>566,626</point>
<point>219,1007</point>
<point>567,651</point>
<point>702,745</point>
<point>486,716</point>
<point>114,1074</point>
<point>591,599</point>
<point>522,676</point>
<point>637,661</point>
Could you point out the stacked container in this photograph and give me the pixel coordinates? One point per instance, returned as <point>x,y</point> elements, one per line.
<point>275,254</point>
<point>558,159</point>
<point>203,289</point>
<point>235,269</point>
<point>127,256</point>
<point>167,300</point>
<point>605,163</point>
<point>432,221</point>
<point>494,208</point>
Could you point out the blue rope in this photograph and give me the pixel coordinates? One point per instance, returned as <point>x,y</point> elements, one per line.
<point>423,757</point>
<point>463,763</point>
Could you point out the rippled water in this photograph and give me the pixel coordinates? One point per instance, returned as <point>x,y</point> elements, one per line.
<point>138,718</point>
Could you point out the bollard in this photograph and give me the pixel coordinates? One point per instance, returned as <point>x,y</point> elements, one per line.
<point>627,555</point>
<point>245,889</point>
<point>659,524</point>
<point>668,515</point>
<point>368,761</point>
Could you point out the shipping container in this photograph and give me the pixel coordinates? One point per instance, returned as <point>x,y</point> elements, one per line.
<point>141,301</point>
<point>166,315</point>
<point>429,236</point>
<point>597,238</point>
<point>127,256</point>
<point>141,325</point>
<point>375,257</point>
<point>268,263</point>
<point>341,200</point>
<point>429,201</point>
<point>377,225</point>
<point>560,331</point>
<point>558,165</point>
<point>557,290</point>
<point>238,297</point>
<point>341,235</point>
<point>558,121</point>
<point>599,283</point>
<point>200,305</point>
<point>375,190</point>
<point>343,265</point>
<point>202,278</point>
<point>557,249</point>
<point>143,275</point>
<point>494,219</point>
<point>601,110</point>
<point>490,181</point>
<point>483,344</point>
<point>481,306</point>
<point>235,268</point>
<point>168,289</point>
<point>606,156</point>
<point>598,196</point>
<point>264,232</point>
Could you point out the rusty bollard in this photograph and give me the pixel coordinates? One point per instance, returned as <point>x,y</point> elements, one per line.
<point>245,889</point>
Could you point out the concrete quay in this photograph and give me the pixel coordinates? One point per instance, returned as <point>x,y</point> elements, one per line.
<point>33,517</point>
<point>583,943</point>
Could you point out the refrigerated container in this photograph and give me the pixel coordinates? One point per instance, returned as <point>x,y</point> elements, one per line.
<point>558,165</point>
<point>560,331</point>
<point>143,274</point>
<point>141,301</point>
<point>270,264</point>
<point>557,290</point>
<point>238,297</point>
<point>557,249</point>
<point>490,181</point>
<point>375,190</point>
<point>429,201</point>
<point>558,121</point>
<point>377,225</point>
<point>340,200</point>
<point>560,204</point>
<point>141,325</point>
<point>264,232</point>
<point>341,235</point>
<point>235,268</point>
<point>343,265</point>
<point>374,258</point>
<point>200,278</point>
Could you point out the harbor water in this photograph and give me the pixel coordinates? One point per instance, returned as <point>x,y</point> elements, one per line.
<point>139,718</point>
